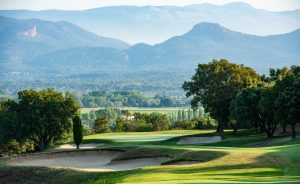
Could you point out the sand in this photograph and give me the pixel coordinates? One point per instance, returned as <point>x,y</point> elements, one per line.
<point>86,160</point>
<point>73,146</point>
<point>199,140</point>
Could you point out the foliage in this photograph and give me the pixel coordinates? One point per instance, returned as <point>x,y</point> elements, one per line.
<point>129,99</point>
<point>244,109</point>
<point>159,121</point>
<point>120,125</point>
<point>215,85</point>
<point>77,130</point>
<point>101,125</point>
<point>184,124</point>
<point>86,130</point>
<point>38,116</point>
<point>288,101</point>
<point>205,123</point>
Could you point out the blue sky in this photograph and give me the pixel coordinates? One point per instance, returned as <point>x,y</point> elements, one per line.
<point>272,5</point>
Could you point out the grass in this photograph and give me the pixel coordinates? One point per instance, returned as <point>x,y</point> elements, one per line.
<point>149,152</point>
<point>233,160</point>
<point>200,156</point>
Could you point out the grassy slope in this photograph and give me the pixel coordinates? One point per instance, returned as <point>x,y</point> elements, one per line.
<point>240,163</point>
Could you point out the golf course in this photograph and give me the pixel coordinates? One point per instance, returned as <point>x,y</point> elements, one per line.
<point>156,157</point>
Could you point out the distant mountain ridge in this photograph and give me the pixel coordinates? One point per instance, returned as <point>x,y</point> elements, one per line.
<point>23,39</point>
<point>204,42</point>
<point>155,24</point>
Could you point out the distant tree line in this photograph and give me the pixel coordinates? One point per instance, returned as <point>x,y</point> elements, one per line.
<point>113,119</point>
<point>129,99</point>
<point>237,97</point>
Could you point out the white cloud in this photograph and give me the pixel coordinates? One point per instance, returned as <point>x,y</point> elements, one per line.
<point>273,5</point>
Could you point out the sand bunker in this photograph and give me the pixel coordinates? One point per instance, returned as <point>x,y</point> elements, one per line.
<point>73,146</point>
<point>86,160</point>
<point>199,140</point>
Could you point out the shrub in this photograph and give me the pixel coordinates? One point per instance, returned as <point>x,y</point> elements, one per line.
<point>139,125</point>
<point>205,123</point>
<point>101,125</point>
<point>120,125</point>
<point>86,130</point>
<point>184,124</point>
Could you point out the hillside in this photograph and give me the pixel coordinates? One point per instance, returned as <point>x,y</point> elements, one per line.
<point>24,39</point>
<point>204,42</point>
<point>136,24</point>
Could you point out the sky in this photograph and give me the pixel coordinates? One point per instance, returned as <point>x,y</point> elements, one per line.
<point>271,5</point>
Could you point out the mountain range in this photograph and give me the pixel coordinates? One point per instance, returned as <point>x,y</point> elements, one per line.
<point>57,45</point>
<point>23,39</point>
<point>155,24</point>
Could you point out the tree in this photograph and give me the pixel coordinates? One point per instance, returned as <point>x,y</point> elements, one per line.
<point>179,115</point>
<point>288,100</point>
<point>216,84</point>
<point>101,125</point>
<point>244,108</point>
<point>77,130</point>
<point>266,111</point>
<point>159,121</point>
<point>41,116</point>
<point>120,125</point>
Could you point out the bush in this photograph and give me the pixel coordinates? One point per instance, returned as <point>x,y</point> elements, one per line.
<point>205,123</point>
<point>13,147</point>
<point>159,121</point>
<point>184,124</point>
<point>120,125</point>
<point>86,130</point>
<point>139,125</point>
<point>101,125</point>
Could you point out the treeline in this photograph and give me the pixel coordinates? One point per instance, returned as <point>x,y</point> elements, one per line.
<point>113,119</point>
<point>129,99</point>
<point>237,97</point>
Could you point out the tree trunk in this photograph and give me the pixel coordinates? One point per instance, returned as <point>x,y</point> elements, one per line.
<point>293,131</point>
<point>77,146</point>
<point>235,128</point>
<point>283,128</point>
<point>220,127</point>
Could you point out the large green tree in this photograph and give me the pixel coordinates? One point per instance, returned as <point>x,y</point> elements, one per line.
<point>244,109</point>
<point>266,108</point>
<point>41,116</point>
<point>288,100</point>
<point>216,84</point>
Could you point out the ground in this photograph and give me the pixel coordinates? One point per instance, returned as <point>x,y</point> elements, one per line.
<point>245,158</point>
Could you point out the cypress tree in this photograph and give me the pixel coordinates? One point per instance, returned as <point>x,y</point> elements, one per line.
<point>77,130</point>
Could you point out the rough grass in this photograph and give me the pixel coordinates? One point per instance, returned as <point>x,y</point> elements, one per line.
<point>148,153</point>
<point>201,156</point>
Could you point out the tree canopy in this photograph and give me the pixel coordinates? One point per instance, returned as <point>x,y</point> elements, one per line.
<point>216,84</point>
<point>39,116</point>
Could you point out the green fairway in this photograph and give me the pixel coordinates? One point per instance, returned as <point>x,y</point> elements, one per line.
<point>236,159</point>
